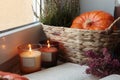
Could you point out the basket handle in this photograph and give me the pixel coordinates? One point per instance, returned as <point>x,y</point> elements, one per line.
<point>109,29</point>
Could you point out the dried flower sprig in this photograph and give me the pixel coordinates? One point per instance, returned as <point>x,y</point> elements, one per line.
<point>103,64</point>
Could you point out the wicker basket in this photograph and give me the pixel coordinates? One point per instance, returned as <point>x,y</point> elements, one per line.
<point>74,42</point>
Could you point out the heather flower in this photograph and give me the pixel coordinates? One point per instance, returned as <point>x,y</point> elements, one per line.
<point>102,65</point>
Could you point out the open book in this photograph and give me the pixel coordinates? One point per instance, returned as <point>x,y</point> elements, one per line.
<point>66,71</point>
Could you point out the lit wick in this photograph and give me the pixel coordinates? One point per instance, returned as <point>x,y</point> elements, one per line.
<point>48,43</point>
<point>29,46</point>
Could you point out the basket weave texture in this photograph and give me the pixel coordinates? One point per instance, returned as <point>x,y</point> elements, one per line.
<point>74,42</point>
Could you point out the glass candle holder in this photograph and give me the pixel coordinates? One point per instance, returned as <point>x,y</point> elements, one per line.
<point>117,12</point>
<point>30,57</point>
<point>49,55</point>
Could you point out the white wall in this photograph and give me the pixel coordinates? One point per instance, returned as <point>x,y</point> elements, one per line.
<point>106,5</point>
<point>9,41</point>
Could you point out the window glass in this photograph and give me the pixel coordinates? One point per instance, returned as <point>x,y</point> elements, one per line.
<point>15,13</point>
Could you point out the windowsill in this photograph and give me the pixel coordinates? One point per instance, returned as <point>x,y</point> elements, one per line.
<point>9,40</point>
<point>20,28</point>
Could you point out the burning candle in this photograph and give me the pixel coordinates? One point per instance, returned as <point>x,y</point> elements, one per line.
<point>30,60</point>
<point>52,42</point>
<point>49,55</point>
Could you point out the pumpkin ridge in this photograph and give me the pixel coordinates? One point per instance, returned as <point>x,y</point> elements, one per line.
<point>95,13</point>
<point>94,20</point>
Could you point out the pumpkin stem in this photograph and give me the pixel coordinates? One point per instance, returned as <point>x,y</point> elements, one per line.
<point>88,22</point>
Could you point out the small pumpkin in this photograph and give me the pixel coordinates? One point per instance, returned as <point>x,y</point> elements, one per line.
<point>93,20</point>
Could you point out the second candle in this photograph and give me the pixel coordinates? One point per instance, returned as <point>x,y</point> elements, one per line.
<point>49,55</point>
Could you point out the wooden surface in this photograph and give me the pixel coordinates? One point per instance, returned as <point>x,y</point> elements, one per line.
<point>11,66</point>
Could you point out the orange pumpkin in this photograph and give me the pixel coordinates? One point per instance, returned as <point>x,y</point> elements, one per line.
<point>93,20</point>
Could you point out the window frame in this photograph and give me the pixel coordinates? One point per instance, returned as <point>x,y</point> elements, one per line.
<point>18,27</point>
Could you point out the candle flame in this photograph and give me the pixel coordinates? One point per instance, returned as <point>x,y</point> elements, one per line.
<point>48,43</point>
<point>29,46</point>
